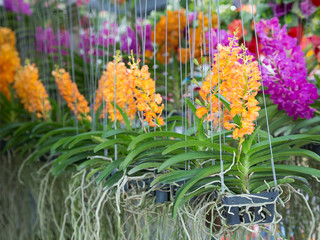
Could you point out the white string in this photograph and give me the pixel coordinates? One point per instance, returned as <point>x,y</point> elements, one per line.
<point>219,115</point>
<point>72,62</point>
<point>166,67</point>
<point>264,102</point>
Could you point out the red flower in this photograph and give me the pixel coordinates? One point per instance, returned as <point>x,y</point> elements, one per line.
<point>252,46</point>
<point>316,2</point>
<point>237,25</point>
<point>296,32</point>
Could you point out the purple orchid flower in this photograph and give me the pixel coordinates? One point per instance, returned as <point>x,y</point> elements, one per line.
<point>17,6</point>
<point>284,70</point>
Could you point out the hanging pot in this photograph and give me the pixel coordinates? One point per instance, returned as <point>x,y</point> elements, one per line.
<point>249,208</point>
<point>163,194</point>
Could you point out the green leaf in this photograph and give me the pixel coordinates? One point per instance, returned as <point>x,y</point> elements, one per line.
<point>205,172</point>
<point>290,169</point>
<point>303,186</point>
<point>108,170</point>
<point>314,130</point>
<point>107,143</point>
<point>93,172</point>
<point>144,166</point>
<point>95,160</point>
<point>113,180</point>
<point>286,153</point>
<point>264,187</point>
<point>9,128</point>
<point>110,133</point>
<point>80,137</point>
<point>246,145</point>
<point>175,176</point>
<point>59,131</point>
<point>194,110</point>
<point>25,129</point>
<point>191,156</point>
<point>304,123</point>
<point>280,140</point>
<point>45,126</point>
<point>74,151</point>
<point>143,147</point>
<point>198,143</point>
<point>317,79</point>
<point>38,153</point>
<point>145,136</point>
<point>60,166</point>
<point>59,143</point>
<point>124,116</point>
<point>225,102</point>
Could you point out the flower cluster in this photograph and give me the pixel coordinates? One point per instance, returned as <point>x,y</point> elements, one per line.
<point>17,6</point>
<point>82,2</point>
<point>31,91</point>
<point>315,42</point>
<point>7,37</point>
<point>69,91</point>
<point>168,29</point>
<point>9,60</point>
<point>147,101</point>
<point>307,8</point>
<point>90,41</point>
<point>47,41</point>
<point>130,42</point>
<point>115,87</point>
<point>198,24</point>
<point>284,70</point>
<point>132,90</point>
<point>236,25</point>
<point>238,83</point>
<point>191,31</point>
<point>212,39</point>
<point>281,9</point>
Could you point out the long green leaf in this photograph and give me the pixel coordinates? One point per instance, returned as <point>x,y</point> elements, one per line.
<point>60,166</point>
<point>113,180</point>
<point>192,156</point>
<point>264,187</point>
<point>290,169</point>
<point>108,170</point>
<point>107,143</point>
<point>279,140</point>
<point>74,151</point>
<point>175,176</point>
<point>111,133</point>
<point>198,143</point>
<point>143,147</point>
<point>145,136</point>
<point>124,116</point>
<point>287,153</point>
<point>205,172</point>
<point>56,131</point>
<point>144,166</point>
<point>80,137</point>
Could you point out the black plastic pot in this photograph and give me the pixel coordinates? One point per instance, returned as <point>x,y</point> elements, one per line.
<point>140,183</point>
<point>313,147</point>
<point>250,208</point>
<point>2,144</point>
<point>163,195</point>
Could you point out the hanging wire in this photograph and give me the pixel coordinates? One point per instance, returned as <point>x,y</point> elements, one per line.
<point>264,101</point>
<point>219,114</point>
<point>72,62</point>
<point>244,43</point>
<point>166,67</point>
<point>115,93</point>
